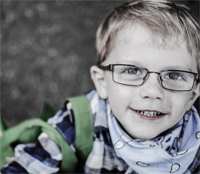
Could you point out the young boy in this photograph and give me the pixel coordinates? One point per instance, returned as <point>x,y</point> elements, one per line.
<point>147,80</point>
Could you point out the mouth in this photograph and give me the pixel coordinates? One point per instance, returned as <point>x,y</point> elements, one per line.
<point>149,114</point>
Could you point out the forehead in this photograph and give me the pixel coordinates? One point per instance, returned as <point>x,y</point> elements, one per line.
<point>139,34</point>
<point>136,43</point>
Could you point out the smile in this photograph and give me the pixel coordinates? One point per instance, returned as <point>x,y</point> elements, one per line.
<point>149,113</point>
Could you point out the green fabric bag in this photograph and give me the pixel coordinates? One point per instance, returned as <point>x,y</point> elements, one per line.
<point>28,131</point>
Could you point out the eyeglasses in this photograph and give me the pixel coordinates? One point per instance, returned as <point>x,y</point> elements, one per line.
<point>175,80</point>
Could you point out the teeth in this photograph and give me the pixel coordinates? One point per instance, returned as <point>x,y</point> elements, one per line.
<point>149,113</point>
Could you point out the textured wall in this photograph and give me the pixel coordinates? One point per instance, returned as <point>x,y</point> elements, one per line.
<point>46,52</point>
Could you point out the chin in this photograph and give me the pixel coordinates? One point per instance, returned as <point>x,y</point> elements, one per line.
<point>146,137</point>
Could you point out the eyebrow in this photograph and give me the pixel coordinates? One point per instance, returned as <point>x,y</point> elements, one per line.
<point>138,64</point>
<point>178,68</point>
<point>135,63</point>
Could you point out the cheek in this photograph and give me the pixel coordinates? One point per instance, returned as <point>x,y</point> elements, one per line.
<point>180,102</point>
<point>119,97</point>
<point>116,94</point>
<point>118,91</point>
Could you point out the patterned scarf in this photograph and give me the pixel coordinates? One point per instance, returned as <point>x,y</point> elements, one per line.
<point>177,150</point>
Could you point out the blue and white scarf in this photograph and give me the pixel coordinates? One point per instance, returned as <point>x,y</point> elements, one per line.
<point>175,151</point>
<point>169,153</point>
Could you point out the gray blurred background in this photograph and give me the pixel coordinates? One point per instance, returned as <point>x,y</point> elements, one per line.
<point>47,48</point>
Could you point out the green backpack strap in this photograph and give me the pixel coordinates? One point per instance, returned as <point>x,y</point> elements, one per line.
<point>30,135</point>
<point>6,151</point>
<point>83,126</point>
<point>11,135</point>
<point>28,131</point>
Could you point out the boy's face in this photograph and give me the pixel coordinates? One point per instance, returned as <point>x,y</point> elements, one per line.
<point>134,47</point>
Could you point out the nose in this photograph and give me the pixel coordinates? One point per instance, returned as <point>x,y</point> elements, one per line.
<point>152,89</point>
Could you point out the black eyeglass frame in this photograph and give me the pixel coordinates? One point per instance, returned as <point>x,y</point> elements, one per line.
<point>110,67</point>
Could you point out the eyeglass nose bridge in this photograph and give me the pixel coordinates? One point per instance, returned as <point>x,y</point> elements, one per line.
<point>147,76</point>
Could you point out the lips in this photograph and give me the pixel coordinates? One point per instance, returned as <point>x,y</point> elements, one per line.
<point>149,114</point>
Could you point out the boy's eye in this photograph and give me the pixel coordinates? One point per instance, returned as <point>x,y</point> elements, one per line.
<point>174,76</point>
<point>132,71</point>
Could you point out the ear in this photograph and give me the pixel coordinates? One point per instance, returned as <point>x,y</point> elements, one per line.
<point>195,95</point>
<point>97,76</point>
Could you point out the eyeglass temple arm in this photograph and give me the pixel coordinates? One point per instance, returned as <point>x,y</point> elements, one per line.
<point>197,77</point>
<point>109,67</point>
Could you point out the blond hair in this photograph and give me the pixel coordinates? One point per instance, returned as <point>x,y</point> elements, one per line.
<point>164,19</point>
